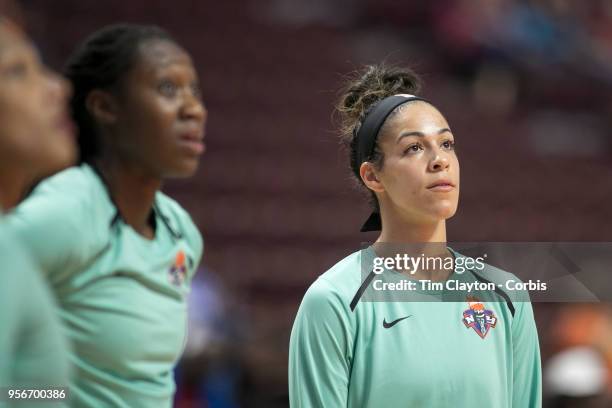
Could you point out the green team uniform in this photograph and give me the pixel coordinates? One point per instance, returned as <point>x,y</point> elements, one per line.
<point>122,297</point>
<point>348,352</point>
<point>33,350</point>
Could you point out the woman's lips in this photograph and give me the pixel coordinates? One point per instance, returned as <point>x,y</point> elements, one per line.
<point>193,141</point>
<point>441,186</point>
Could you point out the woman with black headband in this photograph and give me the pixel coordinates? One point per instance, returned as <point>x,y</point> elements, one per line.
<point>119,253</point>
<point>351,348</point>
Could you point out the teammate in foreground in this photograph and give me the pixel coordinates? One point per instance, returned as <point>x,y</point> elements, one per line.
<point>36,139</point>
<point>120,254</point>
<point>345,351</point>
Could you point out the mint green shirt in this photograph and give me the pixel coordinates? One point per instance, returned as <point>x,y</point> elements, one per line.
<point>122,297</point>
<point>33,350</point>
<point>349,352</point>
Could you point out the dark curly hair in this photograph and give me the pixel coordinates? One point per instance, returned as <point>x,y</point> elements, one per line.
<point>362,91</point>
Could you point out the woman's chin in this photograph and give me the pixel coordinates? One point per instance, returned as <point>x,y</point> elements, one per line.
<point>444,212</point>
<point>184,169</point>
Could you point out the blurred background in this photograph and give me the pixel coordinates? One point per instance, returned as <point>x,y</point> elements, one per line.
<point>525,85</point>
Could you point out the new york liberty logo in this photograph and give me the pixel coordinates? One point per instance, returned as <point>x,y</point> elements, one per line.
<point>178,270</point>
<point>479,318</point>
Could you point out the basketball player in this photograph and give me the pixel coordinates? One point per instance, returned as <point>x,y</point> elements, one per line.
<point>349,352</point>
<point>118,253</point>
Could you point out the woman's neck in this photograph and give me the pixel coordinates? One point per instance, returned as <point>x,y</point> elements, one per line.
<point>398,230</point>
<point>426,239</point>
<point>132,190</point>
<point>13,186</point>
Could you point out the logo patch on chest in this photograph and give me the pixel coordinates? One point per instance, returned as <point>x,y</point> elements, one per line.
<point>178,271</point>
<point>479,318</point>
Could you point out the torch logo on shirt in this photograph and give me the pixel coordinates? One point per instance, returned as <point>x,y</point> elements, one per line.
<point>178,270</point>
<point>479,318</point>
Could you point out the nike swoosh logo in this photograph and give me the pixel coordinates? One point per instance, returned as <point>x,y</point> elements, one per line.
<point>393,323</point>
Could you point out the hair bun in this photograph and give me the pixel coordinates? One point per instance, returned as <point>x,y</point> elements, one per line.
<point>366,87</point>
<point>363,89</point>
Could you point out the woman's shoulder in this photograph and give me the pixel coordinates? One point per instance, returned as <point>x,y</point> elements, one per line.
<point>65,219</point>
<point>507,282</point>
<point>172,210</point>
<point>343,279</point>
<point>75,195</point>
<point>178,218</point>
<point>77,186</point>
<point>71,177</point>
<point>480,268</point>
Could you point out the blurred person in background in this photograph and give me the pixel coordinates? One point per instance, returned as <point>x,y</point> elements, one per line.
<point>576,378</point>
<point>347,352</point>
<point>36,140</point>
<point>579,373</point>
<point>118,253</point>
<point>210,372</point>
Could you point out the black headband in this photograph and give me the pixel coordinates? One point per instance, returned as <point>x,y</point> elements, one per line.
<point>367,136</point>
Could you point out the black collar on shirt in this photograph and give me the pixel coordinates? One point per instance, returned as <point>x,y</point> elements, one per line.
<point>366,282</point>
<point>176,234</point>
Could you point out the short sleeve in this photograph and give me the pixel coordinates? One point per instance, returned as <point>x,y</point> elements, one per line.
<point>320,350</point>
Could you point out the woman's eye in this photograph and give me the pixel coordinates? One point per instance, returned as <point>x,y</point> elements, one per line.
<point>18,70</point>
<point>448,144</point>
<point>167,88</point>
<point>413,149</point>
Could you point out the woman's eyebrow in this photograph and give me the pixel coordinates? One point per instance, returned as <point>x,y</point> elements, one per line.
<point>420,134</point>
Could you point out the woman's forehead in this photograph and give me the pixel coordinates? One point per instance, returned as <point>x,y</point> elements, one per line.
<point>161,52</point>
<point>418,116</point>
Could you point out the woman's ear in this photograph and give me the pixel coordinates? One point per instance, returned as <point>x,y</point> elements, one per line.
<point>102,107</point>
<point>369,176</point>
